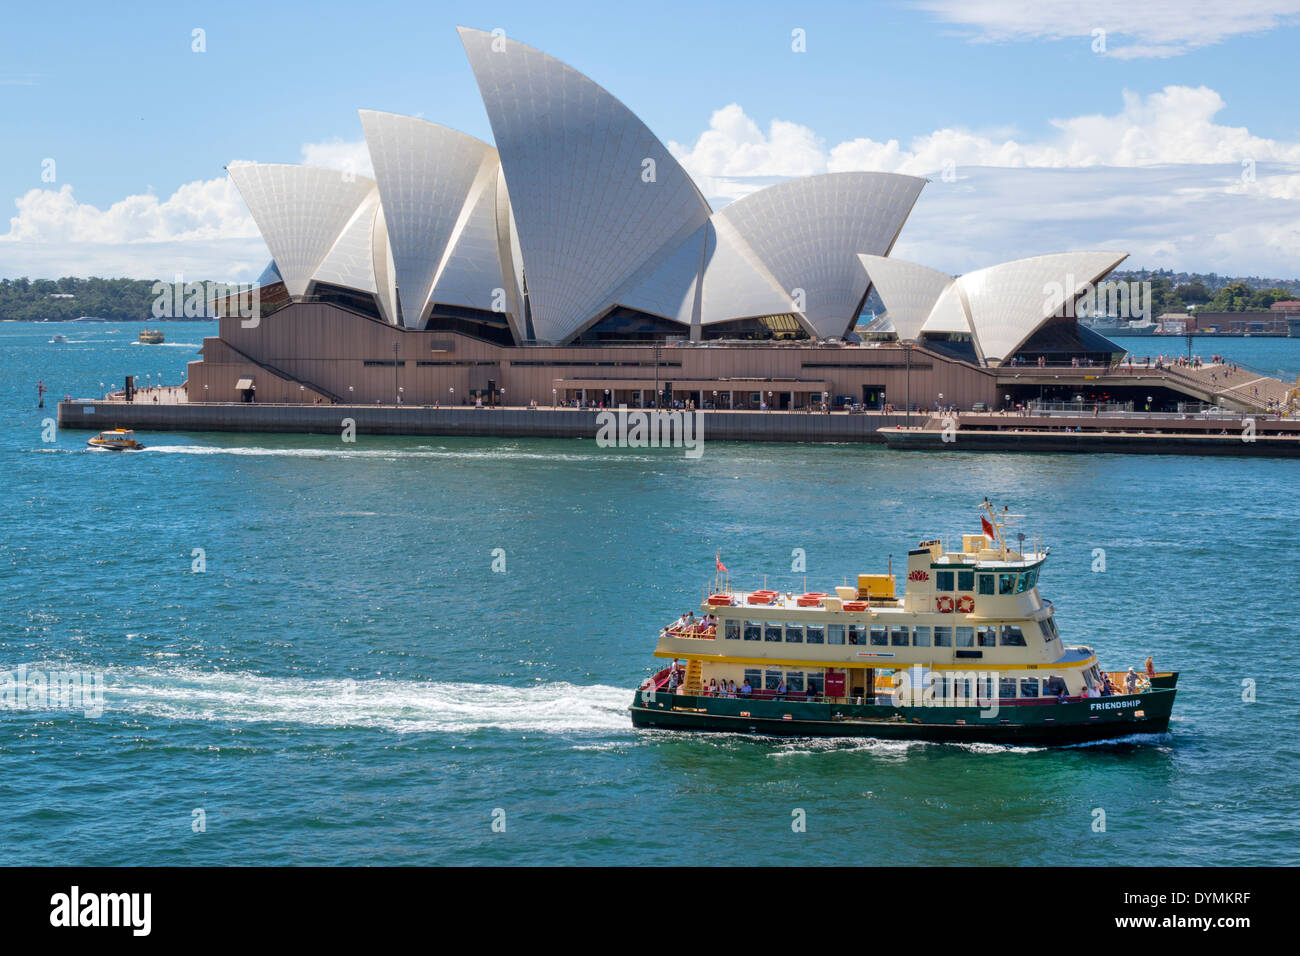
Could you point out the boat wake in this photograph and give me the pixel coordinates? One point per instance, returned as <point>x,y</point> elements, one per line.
<point>402,706</point>
<point>388,454</point>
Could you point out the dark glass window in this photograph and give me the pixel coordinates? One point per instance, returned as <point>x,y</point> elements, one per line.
<point>1007,583</point>
<point>1012,636</point>
<point>1006,687</point>
<point>816,634</point>
<point>772,632</point>
<point>898,636</point>
<point>753,630</point>
<point>732,630</point>
<point>879,635</point>
<point>834,633</point>
<point>921,636</point>
<point>1029,687</point>
<point>943,580</point>
<point>965,580</point>
<point>986,584</point>
<point>794,633</point>
<point>943,636</point>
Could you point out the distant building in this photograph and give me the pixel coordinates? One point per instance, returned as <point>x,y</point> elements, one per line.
<point>62,295</point>
<point>1254,323</point>
<point>1288,308</point>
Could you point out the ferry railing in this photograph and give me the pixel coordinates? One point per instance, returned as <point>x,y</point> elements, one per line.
<point>709,633</point>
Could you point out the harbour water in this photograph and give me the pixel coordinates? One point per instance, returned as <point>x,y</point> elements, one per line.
<point>349,681</point>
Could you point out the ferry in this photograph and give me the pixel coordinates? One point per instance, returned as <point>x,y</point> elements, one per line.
<point>118,439</point>
<point>969,653</point>
<point>151,337</point>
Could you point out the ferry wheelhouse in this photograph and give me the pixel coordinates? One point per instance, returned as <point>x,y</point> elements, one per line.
<point>969,652</point>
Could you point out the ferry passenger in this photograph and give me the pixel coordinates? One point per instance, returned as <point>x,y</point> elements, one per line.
<point>781,689</point>
<point>1131,681</point>
<point>713,688</point>
<point>1151,668</point>
<point>1108,689</point>
<point>745,689</point>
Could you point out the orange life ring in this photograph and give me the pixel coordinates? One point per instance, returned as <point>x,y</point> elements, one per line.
<point>965,604</point>
<point>945,604</point>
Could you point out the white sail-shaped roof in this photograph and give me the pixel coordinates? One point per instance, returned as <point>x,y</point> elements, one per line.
<point>594,193</point>
<point>1008,302</point>
<point>300,211</point>
<point>736,282</point>
<point>909,292</point>
<point>808,233</point>
<point>428,177</point>
<point>351,260</point>
<point>471,274</point>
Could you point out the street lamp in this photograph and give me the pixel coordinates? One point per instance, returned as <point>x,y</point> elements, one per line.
<point>553,398</point>
<point>452,392</point>
<point>1148,403</point>
<point>769,401</point>
<point>400,391</point>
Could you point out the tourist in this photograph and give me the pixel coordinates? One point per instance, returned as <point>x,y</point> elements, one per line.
<point>712,690</point>
<point>1151,668</point>
<point>1108,689</point>
<point>1131,681</point>
<point>745,689</point>
<point>781,689</point>
<point>731,688</point>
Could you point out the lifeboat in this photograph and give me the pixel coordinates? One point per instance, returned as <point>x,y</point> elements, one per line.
<point>761,597</point>
<point>720,600</point>
<point>855,605</point>
<point>810,599</point>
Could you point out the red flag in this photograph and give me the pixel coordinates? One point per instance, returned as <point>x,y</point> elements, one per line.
<point>718,560</point>
<point>988,527</point>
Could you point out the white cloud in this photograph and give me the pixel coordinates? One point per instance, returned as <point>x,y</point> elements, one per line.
<point>343,155</point>
<point>1159,178</point>
<point>203,226</point>
<point>1133,28</point>
<point>1174,125</point>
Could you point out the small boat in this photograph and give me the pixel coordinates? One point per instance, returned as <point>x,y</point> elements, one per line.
<point>59,340</point>
<point>151,337</point>
<point>117,439</point>
<point>970,653</point>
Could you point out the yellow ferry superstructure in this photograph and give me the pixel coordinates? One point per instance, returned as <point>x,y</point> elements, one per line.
<point>970,630</point>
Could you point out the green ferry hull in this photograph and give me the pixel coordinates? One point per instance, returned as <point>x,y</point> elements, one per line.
<point>1050,724</point>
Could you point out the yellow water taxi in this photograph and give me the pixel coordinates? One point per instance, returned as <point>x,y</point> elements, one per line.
<point>117,439</point>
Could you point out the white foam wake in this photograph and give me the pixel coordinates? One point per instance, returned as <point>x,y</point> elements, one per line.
<point>391,453</point>
<point>404,706</point>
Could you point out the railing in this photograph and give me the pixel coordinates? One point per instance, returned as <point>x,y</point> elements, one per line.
<point>709,633</point>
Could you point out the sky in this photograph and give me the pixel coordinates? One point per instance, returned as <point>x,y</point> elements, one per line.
<point>1168,130</point>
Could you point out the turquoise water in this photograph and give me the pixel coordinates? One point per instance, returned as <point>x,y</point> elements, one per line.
<point>350,682</point>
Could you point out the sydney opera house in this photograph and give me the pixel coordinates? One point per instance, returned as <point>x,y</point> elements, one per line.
<point>574,258</point>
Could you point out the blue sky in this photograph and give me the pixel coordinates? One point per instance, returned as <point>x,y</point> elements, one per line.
<point>1011,95</point>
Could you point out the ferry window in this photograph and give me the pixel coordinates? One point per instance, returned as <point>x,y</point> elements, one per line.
<point>794,680</point>
<point>857,634</point>
<point>965,637</point>
<point>943,580</point>
<point>732,629</point>
<point>816,635</point>
<point>772,632</point>
<point>1006,687</point>
<point>753,630</point>
<point>986,584</point>
<point>1053,686</point>
<point>898,636</point>
<point>1029,687</point>
<point>961,688</point>
<point>879,635</point>
<point>1050,633</point>
<point>755,678</point>
<point>988,635</point>
<point>773,680</point>
<point>1012,636</point>
<point>1023,584</point>
<point>965,580</point>
<point>942,636</point>
<point>1007,583</point>
<point>985,684</point>
<point>921,636</point>
<point>835,634</point>
<point>816,684</point>
<point>794,633</point>
<point>1031,578</point>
